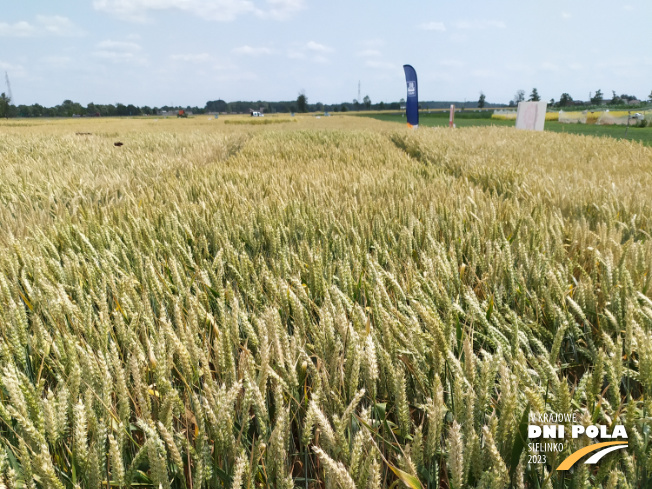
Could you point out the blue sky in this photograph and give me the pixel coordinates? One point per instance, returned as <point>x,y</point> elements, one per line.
<point>185,52</point>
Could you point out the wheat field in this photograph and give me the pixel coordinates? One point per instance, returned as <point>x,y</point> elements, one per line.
<point>331,302</point>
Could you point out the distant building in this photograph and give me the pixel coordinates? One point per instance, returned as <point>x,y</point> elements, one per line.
<point>172,113</point>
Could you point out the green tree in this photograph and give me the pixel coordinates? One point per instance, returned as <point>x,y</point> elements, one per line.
<point>534,96</point>
<point>110,110</point>
<point>615,99</point>
<point>481,101</point>
<point>133,110</point>
<point>597,98</point>
<point>4,105</point>
<point>36,110</point>
<point>649,97</point>
<point>519,96</point>
<point>121,109</point>
<point>68,108</point>
<point>565,100</point>
<point>302,102</point>
<point>216,106</point>
<point>367,102</point>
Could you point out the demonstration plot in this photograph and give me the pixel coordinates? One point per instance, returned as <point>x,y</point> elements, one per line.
<point>336,299</point>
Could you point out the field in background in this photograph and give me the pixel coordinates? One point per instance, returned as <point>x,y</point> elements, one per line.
<point>334,301</point>
<point>473,119</point>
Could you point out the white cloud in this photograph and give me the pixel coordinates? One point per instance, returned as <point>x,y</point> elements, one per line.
<point>548,66</point>
<point>438,77</point>
<point>519,67</point>
<point>480,24</point>
<point>117,56</point>
<point>483,73</point>
<point>369,53</point>
<point>566,15</point>
<point>19,29</point>
<point>120,51</point>
<point>452,63</point>
<point>380,65</point>
<point>119,45</point>
<point>253,51</point>
<point>237,76</point>
<point>202,61</point>
<point>295,54</point>
<point>319,48</point>
<point>217,10</point>
<point>58,61</point>
<point>433,26</point>
<point>137,10</point>
<point>283,9</point>
<point>55,25</point>
<point>458,38</point>
<point>14,70</point>
<point>373,43</point>
<point>191,58</point>
<point>313,51</point>
<point>58,25</point>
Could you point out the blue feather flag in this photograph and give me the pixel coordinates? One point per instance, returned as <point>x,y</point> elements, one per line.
<point>412,104</point>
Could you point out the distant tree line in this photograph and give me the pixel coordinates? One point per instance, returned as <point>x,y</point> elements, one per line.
<point>70,108</point>
<point>74,109</point>
<point>565,100</point>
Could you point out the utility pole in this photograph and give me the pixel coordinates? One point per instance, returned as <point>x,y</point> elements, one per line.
<point>8,86</point>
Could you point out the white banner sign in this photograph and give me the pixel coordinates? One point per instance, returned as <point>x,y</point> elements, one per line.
<point>531,115</point>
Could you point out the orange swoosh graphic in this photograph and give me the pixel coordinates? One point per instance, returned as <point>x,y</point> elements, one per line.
<point>575,456</point>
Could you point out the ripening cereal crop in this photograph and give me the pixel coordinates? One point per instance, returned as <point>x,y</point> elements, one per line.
<point>329,303</point>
